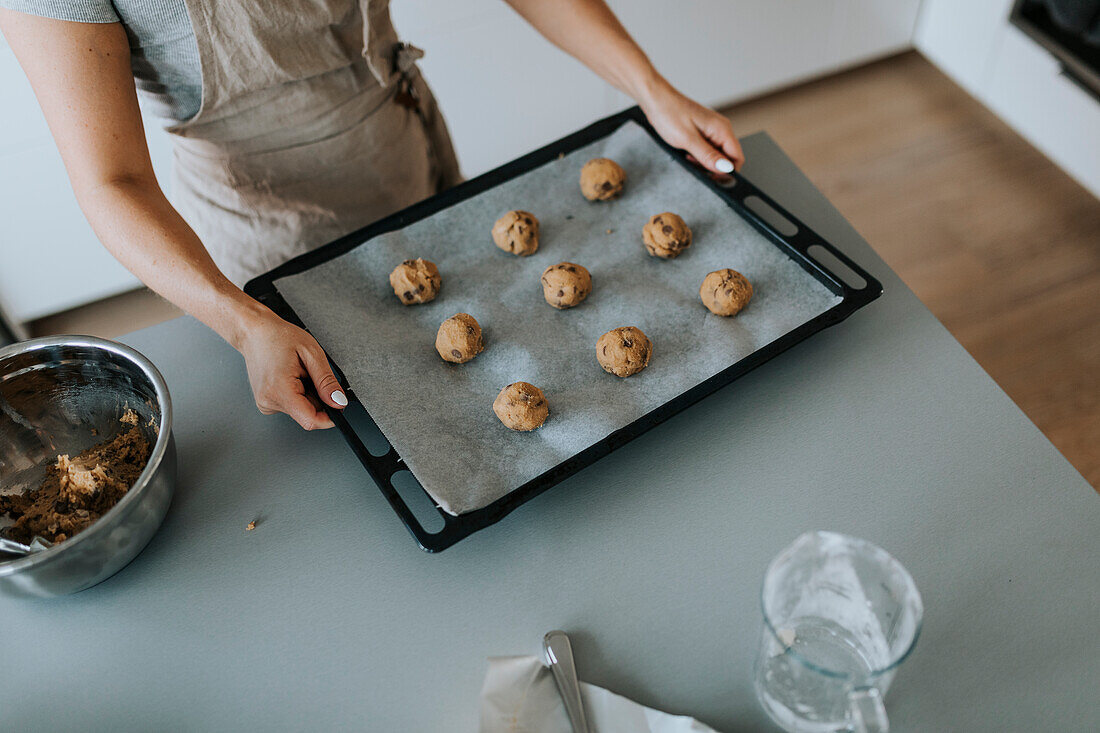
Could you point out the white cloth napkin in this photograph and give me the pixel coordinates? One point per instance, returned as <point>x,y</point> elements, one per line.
<point>520,696</point>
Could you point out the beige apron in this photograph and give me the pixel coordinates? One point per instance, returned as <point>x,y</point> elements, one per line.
<point>314,122</point>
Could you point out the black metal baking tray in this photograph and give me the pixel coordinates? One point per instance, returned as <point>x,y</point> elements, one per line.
<point>795,240</point>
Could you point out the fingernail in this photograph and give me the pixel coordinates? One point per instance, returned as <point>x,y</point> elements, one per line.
<point>724,166</point>
<point>339,398</point>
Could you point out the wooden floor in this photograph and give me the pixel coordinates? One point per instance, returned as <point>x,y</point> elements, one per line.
<point>998,242</point>
<point>1001,245</point>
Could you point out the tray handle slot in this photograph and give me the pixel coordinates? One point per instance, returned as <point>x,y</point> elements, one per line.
<point>763,211</point>
<point>433,529</point>
<point>365,428</point>
<point>767,212</point>
<point>399,490</point>
<point>418,502</point>
<point>858,284</point>
<point>825,257</point>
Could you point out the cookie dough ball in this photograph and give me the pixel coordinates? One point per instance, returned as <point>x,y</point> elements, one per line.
<point>459,338</point>
<point>666,235</point>
<point>624,351</point>
<point>602,179</point>
<point>565,284</point>
<point>521,406</point>
<point>725,292</point>
<point>416,281</point>
<point>517,232</point>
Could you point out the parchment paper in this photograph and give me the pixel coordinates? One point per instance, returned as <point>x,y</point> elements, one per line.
<point>439,416</point>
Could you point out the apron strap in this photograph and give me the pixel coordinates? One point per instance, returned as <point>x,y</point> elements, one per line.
<point>387,58</point>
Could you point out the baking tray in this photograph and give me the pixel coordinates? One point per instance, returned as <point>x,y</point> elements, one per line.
<point>745,206</point>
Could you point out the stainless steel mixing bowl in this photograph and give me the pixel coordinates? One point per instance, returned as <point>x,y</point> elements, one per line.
<point>64,394</point>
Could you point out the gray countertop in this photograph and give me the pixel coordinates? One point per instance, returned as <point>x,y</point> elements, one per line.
<point>328,617</point>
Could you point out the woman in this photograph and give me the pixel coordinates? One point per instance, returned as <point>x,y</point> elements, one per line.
<point>292,124</point>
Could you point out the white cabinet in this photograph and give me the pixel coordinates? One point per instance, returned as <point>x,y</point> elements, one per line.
<point>975,44</point>
<point>503,89</point>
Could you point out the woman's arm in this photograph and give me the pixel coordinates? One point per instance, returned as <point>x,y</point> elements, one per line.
<point>589,31</point>
<point>81,76</point>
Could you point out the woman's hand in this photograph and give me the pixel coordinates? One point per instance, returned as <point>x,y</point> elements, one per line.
<point>82,77</point>
<point>590,32</point>
<point>706,135</point>
<point>288,370</point>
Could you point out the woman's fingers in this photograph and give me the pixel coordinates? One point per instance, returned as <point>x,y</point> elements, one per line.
<point>722,178</point>
<point>713,143</point>
<point>718,131</point>
<point>704,134</point>
<point>304,412</point>
<point>283,362</point>
<point>708,156</point>
<point>285,367</point>
<point>289,396</point>
<point>324,381</point>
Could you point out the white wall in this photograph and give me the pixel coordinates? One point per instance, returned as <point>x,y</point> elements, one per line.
<point>974,43</point>
<point>504,90</point>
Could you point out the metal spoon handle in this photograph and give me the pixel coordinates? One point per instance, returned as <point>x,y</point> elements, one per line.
<point>559,656</point>
<point>15,548</point>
